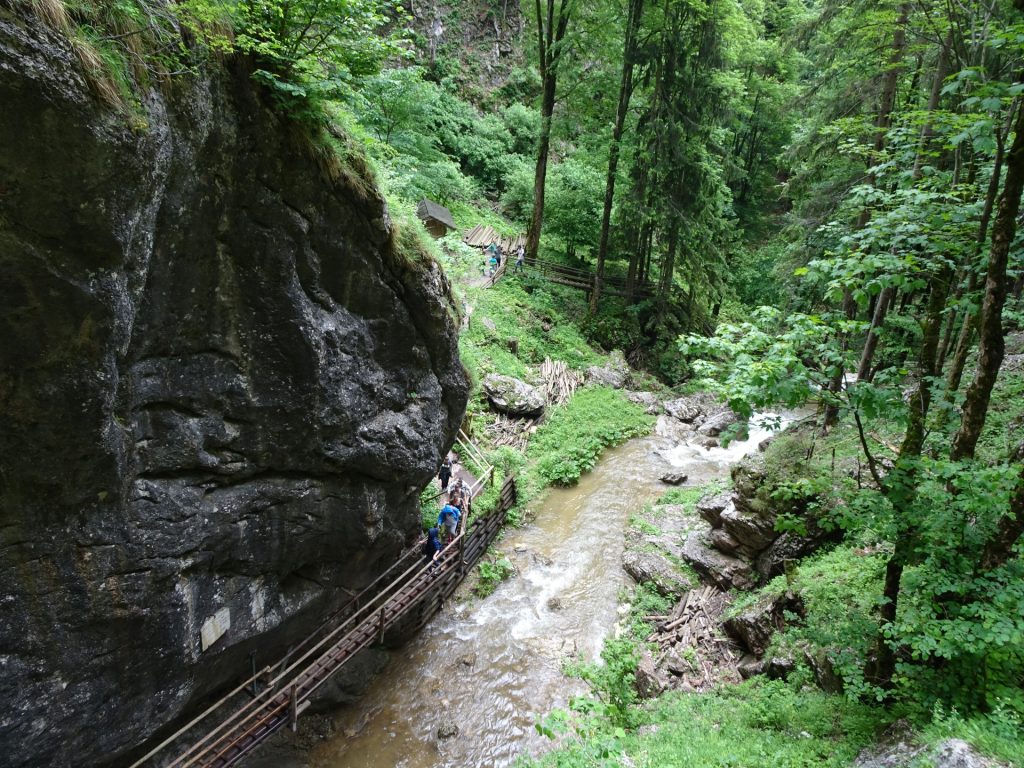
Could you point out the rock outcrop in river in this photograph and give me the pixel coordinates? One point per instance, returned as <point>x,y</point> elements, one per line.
<point>223,384</point>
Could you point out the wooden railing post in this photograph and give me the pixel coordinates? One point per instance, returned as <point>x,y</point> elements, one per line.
<point>293,709</point>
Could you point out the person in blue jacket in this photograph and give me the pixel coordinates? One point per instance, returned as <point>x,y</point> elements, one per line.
<point>449,520</point>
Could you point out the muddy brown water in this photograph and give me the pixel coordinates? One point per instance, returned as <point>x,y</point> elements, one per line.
<point>492,667</point>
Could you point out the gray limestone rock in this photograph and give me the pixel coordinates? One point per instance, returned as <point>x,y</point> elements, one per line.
<point>673,429</point>
<point>650,402</point>
<point>606,377</point>
<point>711,507</point>
<point>900,747</point>
<point>752,531</point>
<point>654,568</point>
<point>717,423</point>
<point>649,683</point>
<point>754,627</point>
<point>224,383</point>
<point>674,478</point>
<point>514,397</point>
<point>723,542</point>
<point>691,408</point>
<point>719,569</point>
<point>787,547</point>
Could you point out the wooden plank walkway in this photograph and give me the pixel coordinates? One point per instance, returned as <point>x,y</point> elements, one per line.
<point>401,601</point>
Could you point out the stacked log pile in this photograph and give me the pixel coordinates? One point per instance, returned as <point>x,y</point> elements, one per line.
<point>694,624</point>
<point>559,381</point>
<point>511,432</point>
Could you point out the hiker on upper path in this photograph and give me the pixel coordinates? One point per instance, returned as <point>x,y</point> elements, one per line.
<point>520,255</point>
<point>449,520</point>
<point>445,473</point>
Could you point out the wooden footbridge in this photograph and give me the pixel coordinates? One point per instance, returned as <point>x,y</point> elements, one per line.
<point>400,600</point>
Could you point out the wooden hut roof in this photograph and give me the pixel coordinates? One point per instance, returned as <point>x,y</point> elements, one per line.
<point>428,209</point>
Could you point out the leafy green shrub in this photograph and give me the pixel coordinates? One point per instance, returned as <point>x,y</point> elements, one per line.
<point>492,571</point>
<point>571,440</point>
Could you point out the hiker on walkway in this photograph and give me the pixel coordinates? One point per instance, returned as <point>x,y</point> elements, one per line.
<point>449,520</point>
<point>497,254</point>
<point>492,264</point>
<point>520,255</point>
<point>445,473</point>
<point>432,546</point>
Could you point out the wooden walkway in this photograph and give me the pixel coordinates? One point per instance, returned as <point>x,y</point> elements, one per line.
<point>400,601</point>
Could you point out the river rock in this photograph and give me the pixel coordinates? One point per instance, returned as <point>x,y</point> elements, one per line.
<point>719,569</point>
<point>511,396</point>
<point>648,400</point>
<point>674,478</point>
<point>673,429</point>
<point>223,379</point>
<point>717,423</point>
<point>708,442</point>
<point>752,531</point>
<point>690,408</point>
<point>555,604</point>
<point>711,507</point>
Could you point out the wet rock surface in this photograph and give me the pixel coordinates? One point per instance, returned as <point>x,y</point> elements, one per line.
<point>511,396</point>
<point>717,568</point>
<point>223,385</point>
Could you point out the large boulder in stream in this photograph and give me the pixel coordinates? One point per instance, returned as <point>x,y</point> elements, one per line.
<point>691,408</point>
<point>512,396</point>
<point>717,423</point>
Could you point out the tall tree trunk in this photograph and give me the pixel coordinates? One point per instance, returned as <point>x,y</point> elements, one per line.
<point>941,70</point>
<point>636,8</point>
<point>990,325</point>
<point>963,344</point>
<point>877,319</point>
<point>550,37</point>
<point>903,474</point>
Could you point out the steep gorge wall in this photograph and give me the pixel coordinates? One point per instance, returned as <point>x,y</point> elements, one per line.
<point>221,387</point>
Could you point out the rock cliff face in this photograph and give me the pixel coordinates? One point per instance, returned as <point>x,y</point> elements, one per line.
<point>222,386</point>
